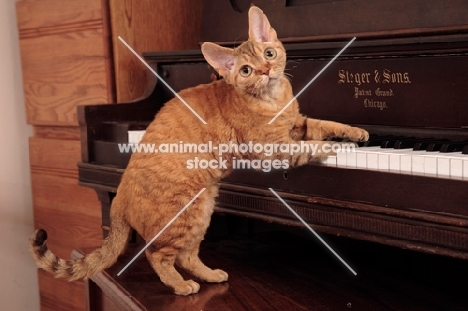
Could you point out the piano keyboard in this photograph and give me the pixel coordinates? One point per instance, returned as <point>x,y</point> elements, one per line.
<point>445,160</point>
<point>396,155</point>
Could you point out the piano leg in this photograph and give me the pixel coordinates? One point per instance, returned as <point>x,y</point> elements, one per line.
<point>105,197</point>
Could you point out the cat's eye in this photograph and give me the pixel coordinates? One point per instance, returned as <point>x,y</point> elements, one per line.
<point>270,53</point>
<point>245,71</point>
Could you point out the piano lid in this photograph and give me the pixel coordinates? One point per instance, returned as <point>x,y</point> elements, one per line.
<point>225,21</point>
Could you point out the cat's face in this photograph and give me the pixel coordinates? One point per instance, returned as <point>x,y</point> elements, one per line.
<point>257,65</point>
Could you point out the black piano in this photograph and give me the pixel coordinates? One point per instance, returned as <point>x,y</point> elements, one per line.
<point>404,79</point>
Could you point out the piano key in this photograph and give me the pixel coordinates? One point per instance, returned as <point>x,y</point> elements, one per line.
<point>362,154</point>
<point>384,161</point>
<point>372,161</point>
<point>330,161</point>
<point>453,146</point>
<point>390,143</point>
<point>135,136</point>
<point>430,165</point>
<point>407,161</point>
<point>341,158</point>
<point>458,161</point>
<point>418,162</point>
<point>375,140</point>
<point>351,159</point>
<point>435,146</point>
<point>443,167</point>
<point>406,143</point>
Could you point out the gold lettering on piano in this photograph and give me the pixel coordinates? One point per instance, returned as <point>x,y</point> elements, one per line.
<point>384,93</point>
<point>385,76</point>
<point>353,77</point>
<point>373,88</point>
<point>360,92</point>
<point>371,103</point>
<point>395,77</point>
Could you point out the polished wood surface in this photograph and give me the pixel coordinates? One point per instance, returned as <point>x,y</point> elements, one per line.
<point>281,270</point>
<point>149,26</point>
<point>318,20</point>
<point>65,58</point>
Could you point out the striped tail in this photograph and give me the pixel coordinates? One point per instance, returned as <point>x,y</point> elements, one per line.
<point>89,265</point>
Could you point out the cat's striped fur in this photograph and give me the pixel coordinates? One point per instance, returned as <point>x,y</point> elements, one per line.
<point>155,186</point>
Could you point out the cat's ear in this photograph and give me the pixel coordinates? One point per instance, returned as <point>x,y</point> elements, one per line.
<point>220,58</point>
<point>259,27</point>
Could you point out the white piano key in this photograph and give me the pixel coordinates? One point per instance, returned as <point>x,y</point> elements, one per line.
<point>351,159</point>
<point>456,165</point>
<point>362,156</point>
<point>361,159</point>
<point>465,168</point>
<point>341,158</point>
<point>330,161</point>
<point>405,164</point>
<point>134,137</point>
<point>443,167</point>
<point>395,161</point>
<point>384,161</point>
<point>430,165</point>
<point>417,162</point>
<point>372,161</point>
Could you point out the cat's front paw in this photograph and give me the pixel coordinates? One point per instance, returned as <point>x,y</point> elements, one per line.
<point>216,276</point>
<point>356,134</point>
<point>186,288</point>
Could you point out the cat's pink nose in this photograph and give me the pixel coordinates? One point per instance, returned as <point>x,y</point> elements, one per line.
<point>266,72</point>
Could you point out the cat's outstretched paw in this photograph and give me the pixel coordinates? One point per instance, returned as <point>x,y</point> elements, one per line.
<point>187,288</point>
<point>355,134</point>
<point>218,276</point>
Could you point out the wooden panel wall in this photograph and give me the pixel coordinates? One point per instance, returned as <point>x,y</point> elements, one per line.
<point>155,25</point>
<point>65,54</point>
<point>67,57</point>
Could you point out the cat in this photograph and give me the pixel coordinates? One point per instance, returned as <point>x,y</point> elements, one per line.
<point>155,186</point>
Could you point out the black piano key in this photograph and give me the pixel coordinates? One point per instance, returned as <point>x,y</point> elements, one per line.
<point>465,150</point>
<point>375,140</point>
<point>453,147</point>
<point>435,146</point>
<point>424,144</point>
<point>408,143</point>
<point>390,143</point>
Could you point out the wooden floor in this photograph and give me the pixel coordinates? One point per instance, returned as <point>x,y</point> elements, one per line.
<point>283,271</point>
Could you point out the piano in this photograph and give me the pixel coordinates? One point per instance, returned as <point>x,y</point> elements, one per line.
<point>404,79</point>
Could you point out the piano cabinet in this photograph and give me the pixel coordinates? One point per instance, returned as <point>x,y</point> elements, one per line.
<point>414,211</point>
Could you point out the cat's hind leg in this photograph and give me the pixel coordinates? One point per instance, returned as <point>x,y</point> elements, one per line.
<point>189,261</point>
<point>162,261</point>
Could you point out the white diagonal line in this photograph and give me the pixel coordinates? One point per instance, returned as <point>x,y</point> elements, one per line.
<point>313,79</point>
<point>164,82</point>
<point>312,230</point>
<point>160,232</point>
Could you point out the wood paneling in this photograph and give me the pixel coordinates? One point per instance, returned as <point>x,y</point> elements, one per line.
<point>61,295</point>
<point>66,62</point>
<point>154,25</point>
<point>70,213</point>
<point>65,59</point>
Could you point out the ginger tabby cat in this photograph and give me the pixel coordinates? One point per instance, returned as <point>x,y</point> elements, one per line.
<point>155,186</point>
